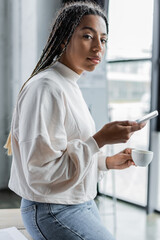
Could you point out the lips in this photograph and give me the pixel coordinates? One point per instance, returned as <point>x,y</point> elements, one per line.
<point>95,59</point>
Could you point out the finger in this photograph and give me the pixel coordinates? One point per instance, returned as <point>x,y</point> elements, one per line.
<point>132,125</point>
<point>126,156</point>
<point>142,125</point>
<point>130,163</point>
<point>123,158</point>
<point>126,165</point>
<point>127,123</point>
<point>127,150</point>
<point>135,127</point>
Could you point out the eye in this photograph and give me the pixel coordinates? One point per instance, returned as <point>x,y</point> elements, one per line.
<point>103,40</point>
<point>87,36</point>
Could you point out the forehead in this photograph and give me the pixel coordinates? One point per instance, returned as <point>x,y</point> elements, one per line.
<point>93,21</point>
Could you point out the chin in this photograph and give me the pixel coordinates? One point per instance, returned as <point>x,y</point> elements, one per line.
<point>90,69</point>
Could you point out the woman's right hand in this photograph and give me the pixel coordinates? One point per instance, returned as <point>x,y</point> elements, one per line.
<point>117,132</point>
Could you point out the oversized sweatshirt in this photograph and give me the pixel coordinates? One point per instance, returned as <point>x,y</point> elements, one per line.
<point>55,158</point>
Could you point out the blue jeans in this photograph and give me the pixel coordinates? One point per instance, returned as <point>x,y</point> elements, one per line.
<point>63,222</point>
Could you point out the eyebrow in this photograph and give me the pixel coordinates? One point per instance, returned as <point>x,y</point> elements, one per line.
<point>93,30</point>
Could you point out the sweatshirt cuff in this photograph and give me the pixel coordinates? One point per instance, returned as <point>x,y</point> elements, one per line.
<point>92,145</point>
<point>102,166</point>
<point>102,163</point>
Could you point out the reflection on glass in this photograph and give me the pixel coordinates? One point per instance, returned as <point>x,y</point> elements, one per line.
<point>129,82</point>
<point>129,98</point>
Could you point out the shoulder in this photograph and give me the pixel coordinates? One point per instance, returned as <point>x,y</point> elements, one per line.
<point>45,81</point>
<point>44,86</point>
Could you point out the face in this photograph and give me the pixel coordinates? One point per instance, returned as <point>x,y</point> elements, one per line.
<point>87,45</point>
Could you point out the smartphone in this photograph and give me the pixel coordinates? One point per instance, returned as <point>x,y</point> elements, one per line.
<point>147,117</point>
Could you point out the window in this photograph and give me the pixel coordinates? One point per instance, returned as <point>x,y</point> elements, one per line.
<point>129,77</point>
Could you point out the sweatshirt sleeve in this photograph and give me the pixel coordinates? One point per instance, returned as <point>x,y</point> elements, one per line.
<point>102,167</point>
<point>49,160</point>
<point>101,158</point>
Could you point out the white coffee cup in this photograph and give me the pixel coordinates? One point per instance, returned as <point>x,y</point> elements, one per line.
<point>142,158</point>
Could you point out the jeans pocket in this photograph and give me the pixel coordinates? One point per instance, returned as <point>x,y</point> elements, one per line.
<point>28,209</point>
<point>56,209</point>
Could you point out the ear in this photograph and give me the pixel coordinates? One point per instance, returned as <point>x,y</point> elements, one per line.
<point>63,44</point>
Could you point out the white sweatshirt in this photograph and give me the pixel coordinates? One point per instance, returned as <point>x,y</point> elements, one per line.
<point>55,157</point>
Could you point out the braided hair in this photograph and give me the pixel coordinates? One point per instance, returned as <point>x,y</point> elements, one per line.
<point>68,18</point>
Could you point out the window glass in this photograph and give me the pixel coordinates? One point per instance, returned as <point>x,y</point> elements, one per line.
<point>130,29</point>
<point>129,98</point>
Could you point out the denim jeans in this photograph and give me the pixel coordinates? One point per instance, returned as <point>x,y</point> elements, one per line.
<point>63,222</point>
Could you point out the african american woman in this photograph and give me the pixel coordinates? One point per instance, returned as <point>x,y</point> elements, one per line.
<point>56,151</point>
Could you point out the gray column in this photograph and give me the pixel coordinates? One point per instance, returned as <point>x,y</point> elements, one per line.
<point>153,173</point>
<point>24,28</point>
<point>5,86</point>
<point>46,13</point>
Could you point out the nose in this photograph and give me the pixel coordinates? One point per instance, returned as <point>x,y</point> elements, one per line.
<point>97,46</point>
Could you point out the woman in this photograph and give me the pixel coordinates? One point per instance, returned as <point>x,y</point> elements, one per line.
<point>56,151</point>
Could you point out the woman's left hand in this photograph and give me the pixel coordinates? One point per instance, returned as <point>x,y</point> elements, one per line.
<point>120,160</point>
